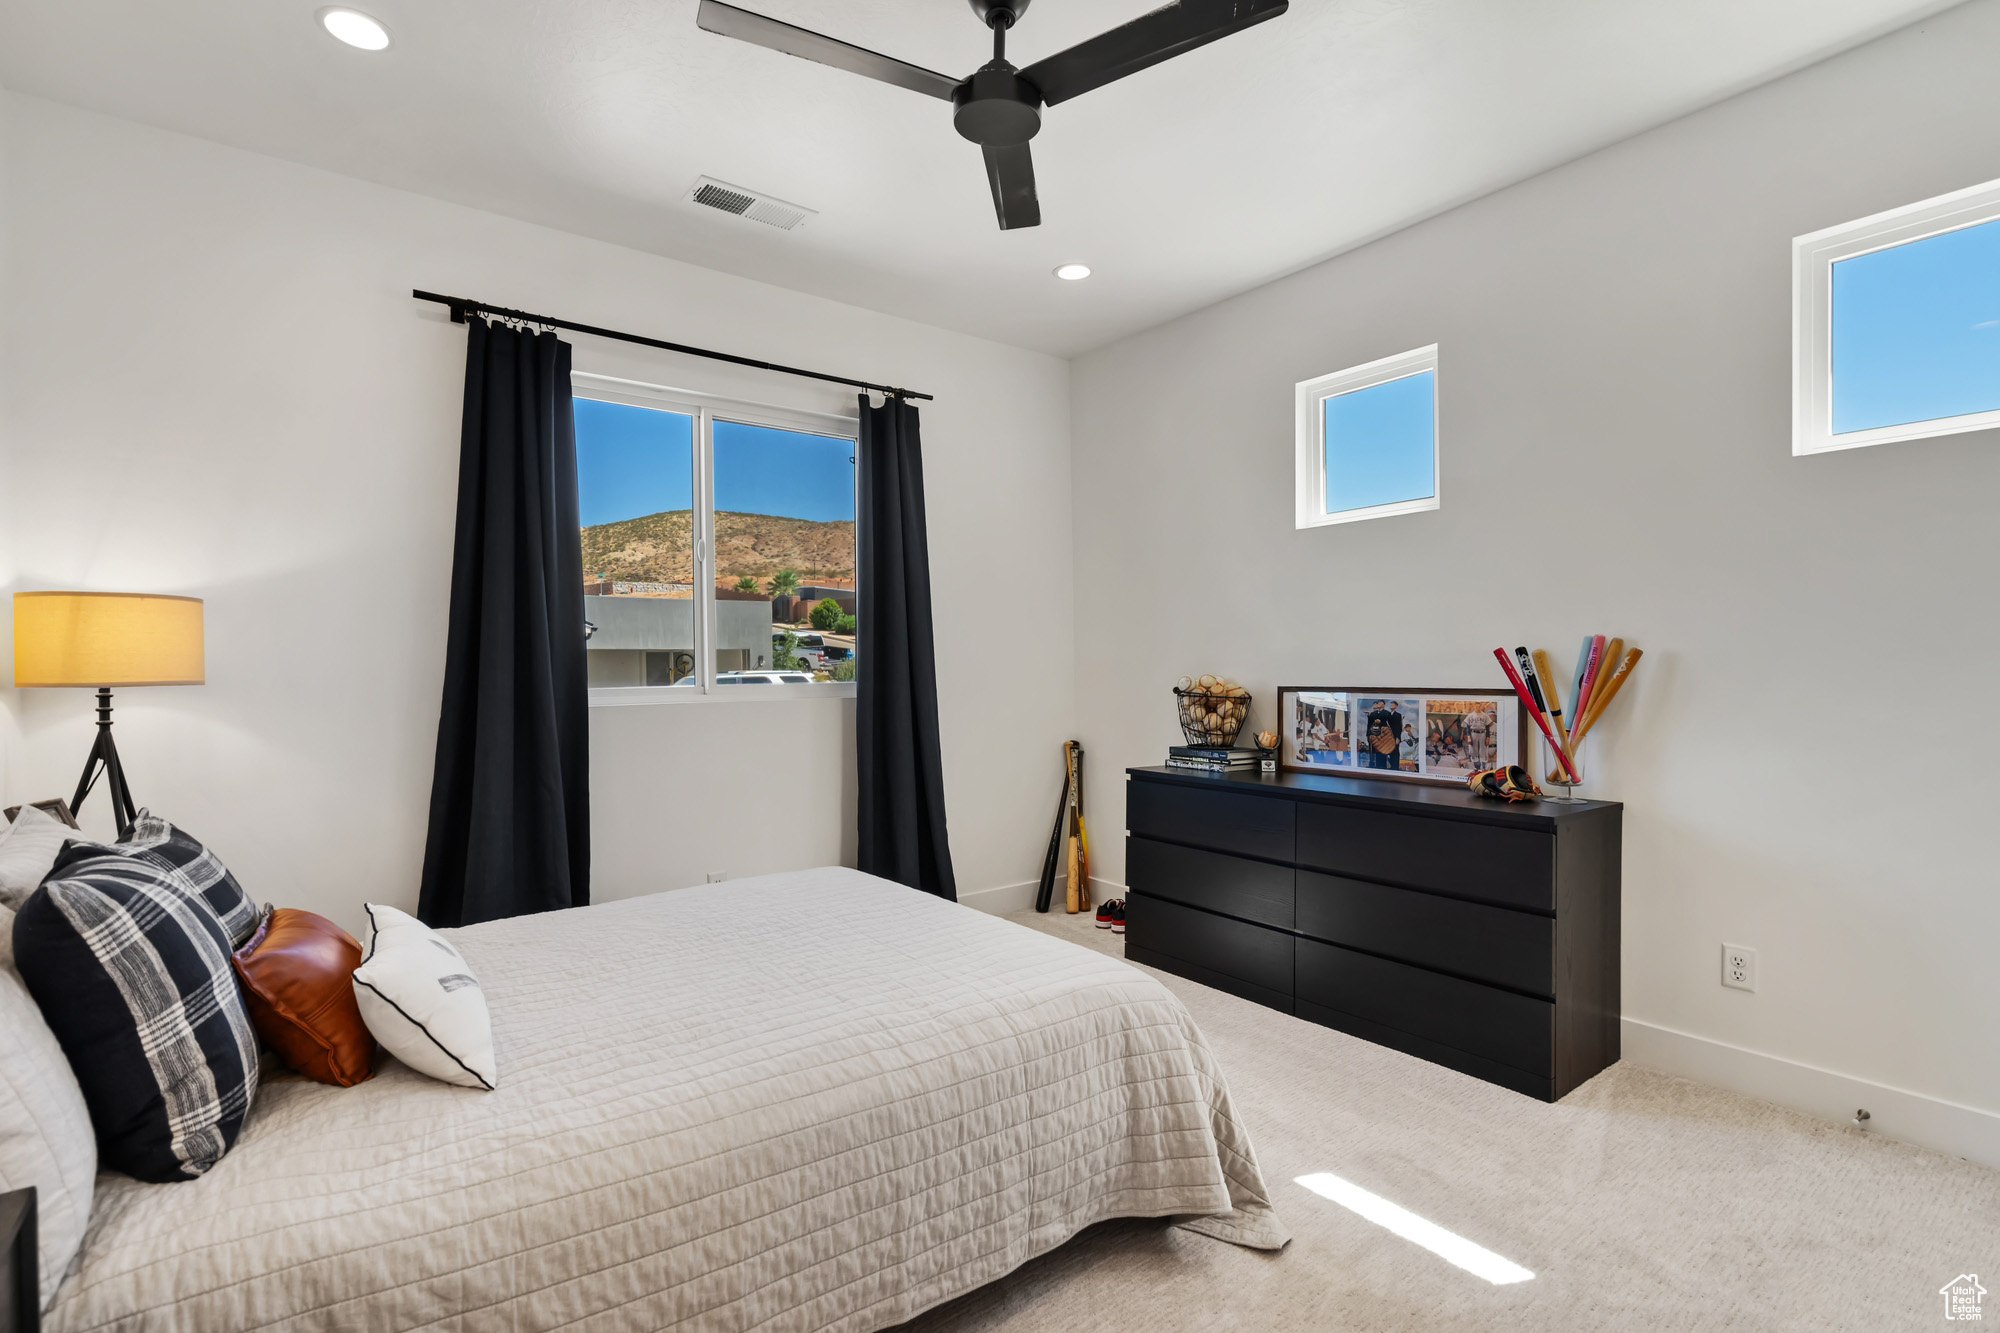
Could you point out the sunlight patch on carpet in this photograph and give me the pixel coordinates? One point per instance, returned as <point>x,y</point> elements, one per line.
<point>1446,1245</point>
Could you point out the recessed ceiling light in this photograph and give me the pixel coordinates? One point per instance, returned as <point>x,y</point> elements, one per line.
<point>355,28</point>
<point>1073,272</point>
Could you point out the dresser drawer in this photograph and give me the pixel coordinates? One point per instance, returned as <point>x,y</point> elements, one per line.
<point>1495,1025</point>
<point>1221,820</point>
<point>1511,866</point>
<point>1486,943</point>
<point>1253,890</point>
<point>1231,949</point>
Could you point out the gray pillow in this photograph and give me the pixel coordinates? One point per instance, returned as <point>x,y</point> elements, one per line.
<point>46,1138</point>
<point>28,847</point>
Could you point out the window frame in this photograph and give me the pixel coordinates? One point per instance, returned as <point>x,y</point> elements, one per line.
<point>1813,258</point>
<point>1309,398</point>
<point>706,409</point>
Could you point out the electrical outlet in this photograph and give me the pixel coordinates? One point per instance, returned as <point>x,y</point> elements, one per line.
<point>717,876</point>
<point>1739,967</point>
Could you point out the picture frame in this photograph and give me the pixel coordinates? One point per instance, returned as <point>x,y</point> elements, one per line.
<point>1441,736</point>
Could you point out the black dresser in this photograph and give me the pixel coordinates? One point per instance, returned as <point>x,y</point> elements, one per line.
<point>1479,935</point>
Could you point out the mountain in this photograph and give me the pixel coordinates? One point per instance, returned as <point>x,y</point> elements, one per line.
<point>655,548</point>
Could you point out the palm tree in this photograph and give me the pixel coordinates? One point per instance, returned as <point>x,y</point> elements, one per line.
<point>748,583</point>
<point>784,583</point>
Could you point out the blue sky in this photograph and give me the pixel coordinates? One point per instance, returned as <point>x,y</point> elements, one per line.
<point>1379,444</point>
<point>632,461</point>
<point>1916,331</point>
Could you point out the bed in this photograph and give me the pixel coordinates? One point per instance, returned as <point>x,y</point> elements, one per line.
<point>807,1101</point>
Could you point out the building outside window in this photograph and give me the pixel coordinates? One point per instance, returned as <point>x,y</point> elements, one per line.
<point>718,543</point>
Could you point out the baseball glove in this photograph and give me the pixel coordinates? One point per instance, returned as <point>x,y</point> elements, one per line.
<point>1510,784</point>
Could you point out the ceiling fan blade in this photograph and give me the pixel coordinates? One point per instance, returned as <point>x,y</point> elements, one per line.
<point>1147,40</point>
<point>745,26</point>
<point>1011,173</point>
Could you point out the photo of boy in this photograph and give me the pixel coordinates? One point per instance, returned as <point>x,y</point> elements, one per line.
<point>1389,739</point>
<point>1320,731</point>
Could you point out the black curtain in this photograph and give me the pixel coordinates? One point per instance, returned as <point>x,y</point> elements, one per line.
<point>901,801</point>
<point>510,796</point>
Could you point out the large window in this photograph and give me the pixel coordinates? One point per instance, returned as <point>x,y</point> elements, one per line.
<point>1367,440</point>
<point>718,544</point>
<point>1896,324</point>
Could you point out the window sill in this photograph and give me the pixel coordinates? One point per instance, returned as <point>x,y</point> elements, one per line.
<point>641,696</point>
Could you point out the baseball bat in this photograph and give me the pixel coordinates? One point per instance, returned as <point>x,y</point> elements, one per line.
<point>1548,673</point>
<point>1550,728</point>
<point>1609,690</point>
<point>1576,684</point>
<point>1082,838</point>
<point>1604,659</point>
<point>1521,688</point>
<point>1591,669</point>
<point>1046,890</point>
<point>1069,760</point>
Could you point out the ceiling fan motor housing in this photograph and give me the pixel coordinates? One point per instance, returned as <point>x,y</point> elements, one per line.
<point>1004,13</point>
<point>996,107</point>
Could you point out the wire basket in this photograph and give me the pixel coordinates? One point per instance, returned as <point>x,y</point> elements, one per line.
<point>1212,717</point>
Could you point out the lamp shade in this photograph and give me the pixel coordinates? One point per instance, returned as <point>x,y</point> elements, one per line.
<point>106,638</point>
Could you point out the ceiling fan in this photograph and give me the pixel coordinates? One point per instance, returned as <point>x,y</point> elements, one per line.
<point>998,106</point>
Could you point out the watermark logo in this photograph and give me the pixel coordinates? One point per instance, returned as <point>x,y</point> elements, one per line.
<point>1962,1296</point>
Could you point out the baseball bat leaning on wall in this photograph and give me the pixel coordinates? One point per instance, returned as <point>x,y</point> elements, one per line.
<point>1082,839</point>
<point>1046,889</point>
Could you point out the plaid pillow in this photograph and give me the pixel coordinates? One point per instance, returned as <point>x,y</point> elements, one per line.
<point>124,952</point>
<point>188,865</point>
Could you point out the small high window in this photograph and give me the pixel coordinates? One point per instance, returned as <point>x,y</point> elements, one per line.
<point>1896,324</point>
<point>1367,440</point>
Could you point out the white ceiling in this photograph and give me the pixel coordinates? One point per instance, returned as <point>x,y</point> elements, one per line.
<point>1199,178</point>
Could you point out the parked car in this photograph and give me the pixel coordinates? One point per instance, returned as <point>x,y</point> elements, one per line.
<point>754,678</point>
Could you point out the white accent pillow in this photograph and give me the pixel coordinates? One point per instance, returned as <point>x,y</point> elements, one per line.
<point>418,996</point>
<point>46,1138</point>
<point>28,847</point>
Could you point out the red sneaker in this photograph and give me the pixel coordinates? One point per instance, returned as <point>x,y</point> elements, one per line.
<point>1104,913</point>
<point>1118,917</point>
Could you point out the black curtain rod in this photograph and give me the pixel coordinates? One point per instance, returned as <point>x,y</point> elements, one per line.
<point>461,308</point>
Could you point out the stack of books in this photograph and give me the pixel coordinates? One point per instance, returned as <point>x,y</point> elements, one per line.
<point>1213,758</point>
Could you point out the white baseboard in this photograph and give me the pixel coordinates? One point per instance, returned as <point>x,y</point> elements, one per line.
<point>1002,900</point>
<point>1020,897</point>
<point>1931,1122</point>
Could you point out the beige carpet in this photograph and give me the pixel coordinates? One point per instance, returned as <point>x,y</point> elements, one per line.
<point>1642,1201</point>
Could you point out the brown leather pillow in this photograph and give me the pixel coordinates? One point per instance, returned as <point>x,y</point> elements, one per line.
<point>298,983</point>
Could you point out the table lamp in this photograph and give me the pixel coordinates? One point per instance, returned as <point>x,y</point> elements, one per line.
<point>99,640</point>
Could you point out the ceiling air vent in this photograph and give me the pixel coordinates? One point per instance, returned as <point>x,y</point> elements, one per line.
<point>711,193</point>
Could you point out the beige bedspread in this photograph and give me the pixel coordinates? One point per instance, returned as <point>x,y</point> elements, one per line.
<point>808,1101</point>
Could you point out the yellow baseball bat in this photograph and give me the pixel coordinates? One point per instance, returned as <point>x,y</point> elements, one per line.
<point>1547,672</point>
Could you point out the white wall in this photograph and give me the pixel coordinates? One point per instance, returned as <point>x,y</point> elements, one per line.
<point>1803,753</point>
<point>220,386</point>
